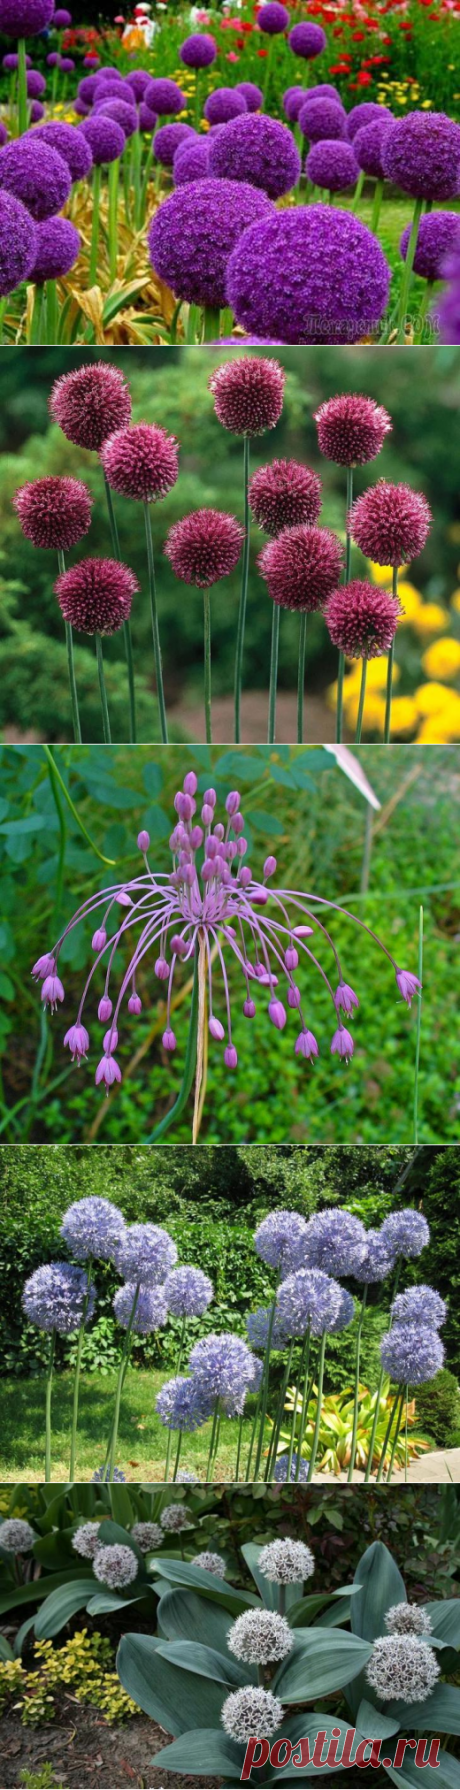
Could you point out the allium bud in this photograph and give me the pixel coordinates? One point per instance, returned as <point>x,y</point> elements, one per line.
<point>104,1011</point>
<point>362,619</point>
<point>283,494</point>
<point>230,1057</point>
<point>390,523</point>
<point>351,429</point>
<point>90,403</point>
<point>96,595</point>
<point>143,840</point>
<point>301,566</point>
<point>204,547</point>
<point>141,462</point>
<point>248,394</point>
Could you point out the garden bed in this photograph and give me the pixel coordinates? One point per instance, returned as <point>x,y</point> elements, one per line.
<point>83,1750</point>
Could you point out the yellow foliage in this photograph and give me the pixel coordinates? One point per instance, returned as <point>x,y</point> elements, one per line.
<point>83,1665</point>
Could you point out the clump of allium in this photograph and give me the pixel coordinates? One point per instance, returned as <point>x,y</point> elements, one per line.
<point>87,1541</point>
<point>204,547</point>
<point>259,149</point>
<point>102,1475</point>
<point>402,1667</point>
<point>411,1353</point>
<point>252,94</point>
<point>168,139</point>
<point>311,274</point>
<point>406,1232</point>
<point>105,137</point>
<point>35,174</point>
<point>188,1292</point>
<point>279,1237</point>
<point>93,1226</point>
<point>280,1473</point>
<point>301,566</point>
<point>259,1636</point>
<point>140,461</point>
<point>163,96</point>
<point>307,40</point>
<point>17,1536</point>
<point>251,1711</point>
<point>366,112</point>
<point>96,595</point>
<point>146,1253</point>
<point>308,1300</point>
<point>210,1563</point>
<point>70,143</point>
<point>224,104</point>
<point>286,1562</point>
<point>322,119</point>
<point>248,394</point>
<point>18,243</point>
<point>57,249</point>
<point>151,1310</point>
<point>25,18</point>
<point>351,428</point>
<point>54,512</point>
<point>147,1535</point>
<point>378,1260</point>
<point>419,1304</point>
<point>390,523</point>
<point>175,1519</point>
<point>439,232</point>
<point>193,233</point>
<point>198,51</point>
<point>55,1296</point>
<point>90,403</point>
<point>368,144</point>
<point>191,161</point>
<point>408,1619</point>
<point>183,1405</point>
<point>283,494</point>
<point>332,165</point>
<point>421,155</point>
<point>335,1242</point>
<point>115,1566</point>
<point>272,17</point>
<point>362,619</point>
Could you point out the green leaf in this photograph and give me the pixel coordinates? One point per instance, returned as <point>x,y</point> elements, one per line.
<point>241,766</point>
<point>374,1724</point>
<point>444,1775</point>
<point>438,1713</point>
<point>323,1663</point>
<point>184,1616</point>
<point>268,1589</point>
<point>39,1589</point>
<point>54,1550</point>
<point>175,1698</point>
<point>6,1652</point>
<point>105,1601</point>
<point>380,1585</point>
<point>157,822</point>
<point>202,1752</point>
<point>445,1619</point>
<point>306,1727</point>
<point>15,829</point>
<point>218,1591</point>
<point>303,1613</point>
<point>192,1656</point>
<point>60,1606</point>
<point>22,1634</point>
<point>152,778</point>
<point>265,823</point>
<point>121,1505</point>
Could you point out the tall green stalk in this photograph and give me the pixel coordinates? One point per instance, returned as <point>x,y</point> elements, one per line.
<point>238,1451</point>
<point>114,176</point>
<point>273,674</point>
<point>241,625</point>
<point>212,1444</point>
<point>314,1446</point>
<point>23,109</point>
<point>272,1452</point>
<point>121,1376</point>
<point>126,626</point>
<point>178,1455</point>
<point>396,1434</point>
<point>76,1384</point>
<point>358,190</point>
<point>207,666</point>
<point>303,1413</point>
<point>103,693</point>
<point>94,246</point>
<point>362,698</point>
<point>377,203</point>
<point>407,272</point>
<point>155,627</point>
<point>189,1067</point>
<point>341,665</point>
<point>391,658</point>
<point>51,333</point>
<point>419,1025</point>
<point>265,1382</point>
<point>356,1397</point>
<point>393,1414</point>
<point>301,1372</point>
<point>211,324</point>
<point>301,677</point>
<point>49,1383</point>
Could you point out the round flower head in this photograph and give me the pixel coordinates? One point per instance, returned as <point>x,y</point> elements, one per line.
<point>210,1563</point>
<point>332,165</point>
<point>17,1536</point>
<point>146,1254</point>
<point>108,87</point>
<point>281,1469</point>
<point>351,429</point>
<point>57,250</point>
<point>188,1292</point>
<point>37,111</point>
<point>335,1242</point>
<point>322,118</point>
<point>259,1636</point>
<point>11,61</point>
<point>182,1405</point>
<point>307,40</point>
<point>147,120</point>
<point>301,566</point>
<point>93,1227</point>
<point>390,523</point>
<point>147,1535</point>
<point>120,112</point>
<point>261,1325</point>
<point>293,100</point>
<point>251,94</point>
<point>378,1261</point>
<point>25,18</point>
<point>421,155</point>
<point>36,83</point>
<point>193,233</point>
<point>18,243</point>
<point>438,234</point>
<point>411,1353</point>
<point>345,1313</point>
<point>87,89</point>
<point>251,1711</point>
<point>168,139</point>
<point>408,1619</point>
<point>448,309</point>
<point>141,461</point>
<point>419,1305</point>
<point>258,149</point>
<point>55,1297</point>
<point>272,18</point>
<point>279,1237</point>
<point>3,135</point>
<point>191,160</point>
<point>105,137</point>
<point>198,51</point>
<point>161,95</point>
<point>366,113</point>
<point>90,403</point>
<point>308,1300</point>
<point>86,1540</point>
<point>175,1519</point>
<point>223,1365</point>
<point>102,1475</point>
<point>368,144</point>
<point>405,1233</point>
<point>362,619</point>
<point>139,78</point>
<point>402,1667</point>
<point>61,18</point>
<point>223,104</point>
<point>283,494</point>
<point>312,274</point>
<point>115,1566</point>
<point>286,1562</point>
<point>204,547</point>
<point>96,595</point>
<point>54,512</point>
<point>151,1308</point>
<point>36,174</point>
<point>248,394</point>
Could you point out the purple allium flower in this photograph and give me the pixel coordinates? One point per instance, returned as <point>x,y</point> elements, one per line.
<point>147,1535</point>
<point>258,149</point>
<point>306,1044</point>
<point>248,394</point>
<point>420,1304</point>
<point>332,165</point>
<point>115,1566</point>
<point>342,1044</point>
<point>70,144</point>
<point>272,18</point>
<point>204,547</point>
<point>87,88</point>
<point>421,155</point>
<point>147,120</point>
<point>11,61</point>
<point>191,161</point>
<point>55,1295</point>
<point>18,239</point>
<point>77,1041</point>
<point>351,428</point>
<point>279,1238</point>
<point>345,998</point>
<point>188,1292</point>
<point>408,985</point>
<point>52,991</point>
<point>293,100</point>
<point>258,1329</point>
<point>151,1310</point>
<point>37,111</point>
<point>17,1536</point>
<point>122,114</point>
<point>103,1475</point>
<point>90,403</point>
<point>140,461</point>
<point>105,137</point>
<point>138,79</point>
<point>3,135</point>
<point>160,95</point>
<point>58,248</point>
<point>182,1404</point>
<point>345,1315</point>
<point>198,51</point>
<point>390,523</point>
<point>283,494</point>
<point>36,174</point>
<point>223,1366</point>
<point>322,118</point>
<point>438,234</point>
<point>146,1253</point>
<point>281,1469</point>
<point>108,86</point>
<point>324,90</point>
<point>312,274</point>
<point>309,1300</point>
<point>405,1233</point>
<point>25,18</point>
<point>96,595</point>
<point>307,40</point>
<point>36,84</point>
<point>411,1353</point>
<point>362,619</point>
<point>93,1227</point>
<point>61,18</point>
<point>335,1242</point>
<point>448,309</point>
<point>54,512</point>
<point>222,105</point>
<point>193,233</point>
<point>378,1261</point>
<point>167,139</point>
<point>367,112</point>
<point>368,144</point>
<point>301,566</point>
<point>251,94</point>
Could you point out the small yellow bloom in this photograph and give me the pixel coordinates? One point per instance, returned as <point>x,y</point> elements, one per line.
<point>456,600</point>
<point>382,574</point>
<point>411,600</point>
<point>430,698</point>
<point>440,728</point>
<point>403,714</point>
<point>425,105</point>
<point>442,658</point>
<point>431,618</point>
<point>376,674</point>
<point>374,711</point>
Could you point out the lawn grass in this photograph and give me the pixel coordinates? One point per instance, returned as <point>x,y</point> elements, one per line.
<point>141,1439</point>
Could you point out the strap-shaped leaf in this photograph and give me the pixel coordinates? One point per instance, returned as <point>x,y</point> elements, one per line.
<point>183,1616</point>
<point>324,1663</point>
<point>374,1724</point>
<point>192,1656</point>
<point>307,1727</point>
<point>202,1753</point>
<point>380,1585</point>
<point>60,1606</point>
<point>105,1601</point>
<point>438,1714</point>
<point>444,1775</point>
<point>180,1573</point>
<point>445,1619</point>
<point>177,1699</point>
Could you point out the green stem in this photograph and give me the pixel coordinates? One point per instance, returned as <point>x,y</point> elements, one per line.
<point>358,190</point>
<point>268,69</point>
<point>303,1413</point>
<point>178,1452</point>
<point>356,1397</point>
<point>370,1455</point>
<point>111,862</point>
<point>137,163</point>
<point>213,1441</point>
<point>301,1369</point>
<point>273,1449</point>
<point>121,1376</point>
<point>146,178</point>
<point>114,175</point>
<point>273,674</point>
<point>265,1381</point>
<point>341,665</point>
<point>76,1386</point>
<point>254,1430</point>
<point>339,717</point>
<point>396,1434</point>
<point>155,628</point>
<point>207,666</point>
<point>37,316</point>
<point>391,656</point>
<point>105,711</point>
<point>388,1430</point>
<point>126,626</point>
<point>314,1446</point>
<point>189,1066</point>
<point>168,1455</point>
<point>301,677</point>
<point>49,1382</point>
<point>71,667</point>
<point>197,99</point>
<point>22,88</point>
<point>424,303</point>
<point>419,1026</point>
<point>362,694</point>
<point>376,208</point>
<point>407,274</point>
<point>51,312</point>
<point>238,1451</point>
<point>94,249</point>
<point>244,594</point>
<point>211,324</point>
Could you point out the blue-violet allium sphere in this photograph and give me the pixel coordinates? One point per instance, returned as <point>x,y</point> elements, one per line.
<point>93,1226</point>
<point>146,1253</point>
<point>411,1353</point>
<point>421,155</point>
<point>312,274</point>
<point>252,94</point>
<point>309,1300</point>
<point>256,149</point>
<point>368,144</point>
<point>223,1365</point>
<point>150,1308</point>
<point>280,1472</point>
<point>188,1292</point>
<point>105,137</point>
<point>279,1238</point>
<point>18,242</point>
<point>102,1475</point>
<point>258,1325</point>
<point>345,1314</point>
<point>55,1295</point>
<point>405,1233</point>
<point>438,235</point>
<point>193,233</point>
<point>332,164</point>
<point>36,174</point>
<point>198,51</point>
<point>420,1304</point>
<point>182,1404</point>
<point>161,95</point>
<point>335,1241</point>
<point>167,139</point>
<point>378,1260</point>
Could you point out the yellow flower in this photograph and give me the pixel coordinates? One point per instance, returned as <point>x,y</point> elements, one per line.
<point>425,105</point>
<point>382,574</point>
<point>430,698</point>
<point>456,600</point>
<point>374,711</point>
<point>431,618</point>
<point>411,600</point>
<point>403,714</point>
<point>442,659</point>
<point>441,727</point>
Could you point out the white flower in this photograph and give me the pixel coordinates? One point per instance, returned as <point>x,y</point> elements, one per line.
<point>147,1535</point>
<point>17,1536</point>
<point>286,1562</point>
<point>210,1563</point>
<point>87,1540</point>
<point>175,1517</point>
<point>259,1636</point>
<point>408,1619</point>
<point>404,1667</point>
<point>251,1711</point>
<point>115,1566</point>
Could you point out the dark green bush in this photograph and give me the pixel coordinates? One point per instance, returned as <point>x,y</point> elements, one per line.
<point>438,1407</point>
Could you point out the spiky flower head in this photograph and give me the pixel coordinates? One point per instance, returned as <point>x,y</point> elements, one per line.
<point>362,619</point>
<point>301,566</point>
<point>251,1710</point>
<point>223,1365</point>
<point>411,1353</point>
<point>93,1227</point>
<point>405,1233</point>
<point>322,119</point>
<point>438,235</point>
<point>307,40</point>
<point>91,402</point>
<point>188,1292</point>
<point>332,165</point>
<point>248,393</point>
<point>419,1304</point>
<point>53,512</point>
<point>283,494</point>
<point>175,1519</point>
<point>390,523</point>
<point>345,1313</point>
<point>57,250</point>
<point>421,154</point>
<point>102,1475</point>
<point>402,1667</point>
<point>121,111</point>
<point>141,461</point>
<point>257,148</point>
<point>280,1473</point>
<point>208,1562</point>
<point>279,1237</point>
<point>204,547</point>
<point>182,1404</point>
<point>286,1562</point>
<point>55,1297</point>
<point>86,1540</point>
<point>95,596</point>
<point>146,1253</point>
<point>193,233</point>
<point>147,1535</point>
<point>310,1300</point>
<point>17,1536</point>
<point>408,1619</point>
<point>351,428</point>
<point>25,18</point>
<point>18,243</point>
<point>149,1305</point>
<point>115,1566</point>
<point>378,1260</point>
<point>105,137</point>
<point>198,51</point>
<point>308,274</point>
<point>259,1636</point>
<point>35,174</point>
<point>335,1242</point>
<point>260,1326</point>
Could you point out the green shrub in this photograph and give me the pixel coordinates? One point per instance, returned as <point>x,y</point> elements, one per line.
<point>438,1407</point>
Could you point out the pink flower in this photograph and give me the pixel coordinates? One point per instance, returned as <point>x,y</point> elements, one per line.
<point>408,985</point>
<point>342,1043</point>
<point>277,1014</point>
<point>306,1045</point>
<point>52,991</point>
<point>230,1057</point>
<point>78,1041</point>
<point>345,997</point>
<point>134,1003</point>
<point>216,1029</point>
<point>45,966</point>
<point>104,1009</point>
<point>108,1071</point>
<point>169,1040</point>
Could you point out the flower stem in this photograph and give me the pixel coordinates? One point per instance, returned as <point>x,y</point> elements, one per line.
<point>49,1382</point>
<point>244,594</point>
<point>51,312</point>
<point>126,625</point>
<point>391,656</point>
<point>314,1446</point>
<point>268,69</point>
<point>114,175</point>
<point>211,324</point>
<point>71,666</point>
<point>22,87</point>
<point>52,767</point>
<point>189,1066</point>
<point>419,1025</point>
<point>389,1427</point>
<point>168,1455</point>
<point>238,1451</point>
<point>370,1454</point>
<point>273,674</point>
<point>264,1389</point>
<point>213,1441</point>
<point>207,666</point>
<point>121,1376</point>
<point>303,1414</point>
<point>378,196</point>
<point>155,628</point>
<point>424,303</point>
<point>358,190</point>
<point>407,274</point>
<point>396,1434</point>
<point>362,694</point>
<point>341,665</point>
<point>272,1452</point>
<point>76,1386</point>
<point>356,1398</point>
<point>178,1453</point>
<point>301,1371</point>
<point>301,677</point>
<point>37,316</point>
<point>105,712</point>
<point>94,249</point>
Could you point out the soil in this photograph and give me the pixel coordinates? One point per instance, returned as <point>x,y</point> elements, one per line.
<point>319,722</point>
<point>84,1751</point>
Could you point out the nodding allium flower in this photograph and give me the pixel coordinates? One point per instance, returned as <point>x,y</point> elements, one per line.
<point>301,566</point>
<point>163,96</point>
<point>56,1297</point>
<point>102,1475</point>
<point>115,1566</point>
<point>279,1238</point>
<point>351,429</point>
<point>362,619</point>
<point>280,1473</point>
<point>210,1563</point>
<point>259,149</point>
<point>175,1519</point>
<point>283,494</point>
<point>332,165</point>
<point>147,1535</point>
<point>368,144</point>
<point>223,104</point>
<point>223,1367</point>
<point>259,1636</point>
<point>57,250</point>
<point>150,1308</point>
<point>366,113</point>
<point>408,985</point>
<point>192,235</point>
<point>198,51</point>
<point>419,1304</point>
<point>168,140</point>
<point>106,140</point>
<point>188,1292</point>
<point>248,394</point>
<point>93,1227</point>
<point>421,155</point>
<point>96,595</point>
<point>141,461</point>
<point>402,1667</point>
<point>408,1619</point>
<point>258,1324</point>
<point>252,94</point>
<point>286,1562</point>
<point>25,18</point>
<point>310,274</point>
<point>378,1260</point>
<point>272,17</point>
<point>249,1711</point>
<point>438,234</point>
<point>411,1353</point>
<point>335,1242</point>
<point>87,1541</point>
<point>54,512</point>
<point>90,403</point>
<point>309,1300</point>
<point>146,1253</point>
<point>204,547</point>
<point>405,1233</point>
<point>307,40</point>
<point>322,119</point>
<point>182,1405</point>
<point>191,161</point>
<point>35,174</point>
<point>17,1536</point>
<point>18,243</point>
<point>390,523</point>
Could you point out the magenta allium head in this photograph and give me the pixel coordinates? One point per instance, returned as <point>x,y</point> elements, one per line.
<point>223,104</point>
<point>307,40</point>
<point>252,94</point>
<point>258,149</point>
<point>204,547</point>
<point>368,144</point>
<point>301,566</point>
<point>390,523</point>
<point>310,274</point>
<point>54,512</point>
<point>77,1041</point>
<point>36,83</point>
<point>272,18</point>
<point>61,18</point>
<point>198,51</point>
<point>306,1045</point>
<point>11,61</point>
<point>365,113</point>
<point>283,494</point>
<point>322,118</point>
<point>96,595</point>
<point>293,100</point>
<point>332,165</point>
<point>18,241</point>
<point>362,619</point>
<point>439,233</point>
<point>36,174</point>
<point>342,1044</point>
<point>121,112</point>
<point>105,137</point>
<point>421,154</point>
<point>90,403</point>
<point>408,985</point>
<point>25,18</point>
<point>161,95</point>
<point>351,429</point>
<point>192,235</point>
<point>108,1071</point>
<point>141,462</point>
<point>191,160</point>
<point>58,248</point>
<point>248,394</point>
<point>70,143</point>
<point>167,139</point>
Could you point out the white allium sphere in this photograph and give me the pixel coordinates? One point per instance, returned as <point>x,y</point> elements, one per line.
<point>115,1566</point>
<point>210,1563</point>
<point>87,1540</point>
<point>147,1535</point>
<point>287,1562</point>
<point>402,1666</point>
<point>408,1619</point>
<point>251,1711</point>
<point>259,1636</point>
<point>17,1536</point>
<point>175,1517</point>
